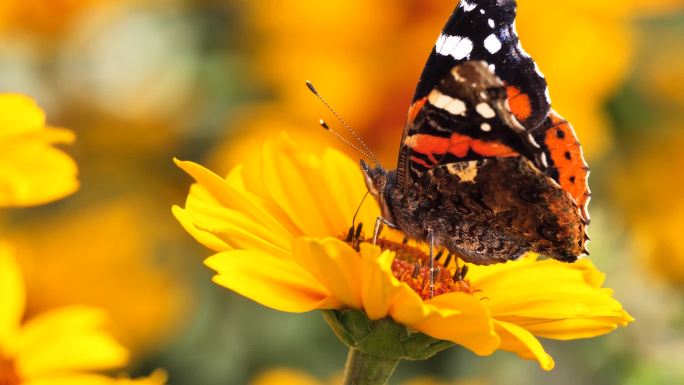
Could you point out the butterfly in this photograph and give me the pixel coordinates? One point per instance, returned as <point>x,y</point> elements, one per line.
<point>486,169</point>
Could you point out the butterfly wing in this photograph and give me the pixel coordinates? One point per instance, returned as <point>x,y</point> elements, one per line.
<point>485,30</point>
<point>464,117</point>
<point>446,122</point>
<point>565,159</point>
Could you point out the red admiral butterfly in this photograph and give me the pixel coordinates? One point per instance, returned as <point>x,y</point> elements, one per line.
<point>486,168</point>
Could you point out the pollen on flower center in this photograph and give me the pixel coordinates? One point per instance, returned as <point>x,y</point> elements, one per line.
<point>411,265</point>
<point>8,372</point>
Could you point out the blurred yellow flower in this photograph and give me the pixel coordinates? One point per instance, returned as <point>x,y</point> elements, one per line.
<point>31,170</point>
<point>655,212</point>
<point>286,376</point>
<point>564,50</point>
<point>111,264</point>
<point>39,16</point>
<point>58,346</point>
<point>159,377</point>
<point>278,228</point>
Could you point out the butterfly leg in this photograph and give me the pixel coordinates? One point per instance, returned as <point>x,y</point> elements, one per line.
<point>431,241</point>
<point>379,221</point>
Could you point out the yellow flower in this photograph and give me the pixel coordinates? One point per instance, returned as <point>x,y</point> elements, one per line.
<point>278,228</point>
<point>286,376</point>
<point>655,212</point>
<point>107,277</point>
<point>31,170</point>
<point>45,17</point>
<point>58,346</point>
<point>159,377</point>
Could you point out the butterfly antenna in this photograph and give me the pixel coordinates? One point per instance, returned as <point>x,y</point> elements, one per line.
<point>344,123</point>
<point>359,208</point>
<point>345,140</point>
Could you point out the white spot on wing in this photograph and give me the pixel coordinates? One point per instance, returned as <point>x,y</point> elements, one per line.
<point>485,127</point>
<point>530,139</point>
<point>467,172</point>
<point>467,6</point>
<point>456,46</point>
<point>547,95</point>
<point>485,110</point>
<point>491,23</point>
<point>482,11</point>
<point>445,102</point>
<point>492,44</point>
<point>544,162</point>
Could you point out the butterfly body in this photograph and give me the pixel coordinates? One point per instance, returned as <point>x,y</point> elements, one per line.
<point>487,211</point>
<point>486,168</point>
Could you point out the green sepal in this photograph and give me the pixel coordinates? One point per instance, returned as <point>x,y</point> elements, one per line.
<point>382,338</point>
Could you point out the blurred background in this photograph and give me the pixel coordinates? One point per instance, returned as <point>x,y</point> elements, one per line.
<point>206,80</point>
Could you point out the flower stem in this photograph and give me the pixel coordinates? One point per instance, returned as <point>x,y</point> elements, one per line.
<point>366,369</point>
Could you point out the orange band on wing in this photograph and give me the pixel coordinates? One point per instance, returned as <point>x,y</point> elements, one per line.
<point>519,103</point>
<point>458,145</point>
<point>492,149</point>
<point>428,144</point>
<point>421,162</point>
<point>415,109</point>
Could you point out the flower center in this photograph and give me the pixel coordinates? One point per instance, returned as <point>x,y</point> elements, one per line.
<point>412,266</point>
<point>8,372</point>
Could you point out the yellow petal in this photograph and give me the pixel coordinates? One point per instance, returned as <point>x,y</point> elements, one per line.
<point>574,306</point>
<point>33,172</point>
<point>206,238</point>
<point>73,379</point>
<point>570,329</point>
<point>68,339</point>
<point>283,376</point>
<point>237,232</point>
<point>235,227</point>
<point>271,281</point>
<point>159,377</point>
<point>334,264</point>
<point>379,286</point>
<point>518,340</point>
<point>301,183</point>
<point>408,308</point>
<point>229,194</point>
<point>460,318</point>
<point>12,298</point>
<point>19,114</point>
<point>344,181</point>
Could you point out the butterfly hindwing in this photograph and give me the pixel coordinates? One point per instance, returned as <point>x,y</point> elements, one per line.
<point>566,160</point>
